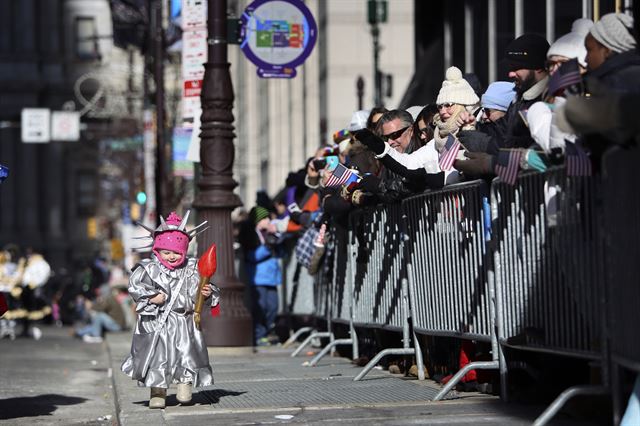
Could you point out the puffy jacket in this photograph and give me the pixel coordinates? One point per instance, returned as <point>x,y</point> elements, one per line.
<point>263,266</point>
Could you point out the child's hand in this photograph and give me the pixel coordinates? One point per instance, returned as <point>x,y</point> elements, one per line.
<point>158,299</point>
<point>207,290</point>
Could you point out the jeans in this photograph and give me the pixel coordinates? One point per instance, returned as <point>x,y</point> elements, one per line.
<point>99,321</point>
<point>265,309</point>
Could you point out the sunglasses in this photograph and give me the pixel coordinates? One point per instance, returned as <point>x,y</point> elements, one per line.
<point>395,135</point>
<point>447,106</point>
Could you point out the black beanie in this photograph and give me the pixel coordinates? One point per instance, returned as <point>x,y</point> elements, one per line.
<point>529,51</point>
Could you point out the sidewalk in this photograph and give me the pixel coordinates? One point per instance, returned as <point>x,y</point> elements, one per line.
<point>269,386</point>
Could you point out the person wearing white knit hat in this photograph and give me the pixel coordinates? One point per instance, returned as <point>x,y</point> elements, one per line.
<point>570,46</point>
<point>456,103</point>
<point>613,34</point>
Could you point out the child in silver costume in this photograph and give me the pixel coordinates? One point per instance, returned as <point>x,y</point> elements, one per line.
<point>165,289</point>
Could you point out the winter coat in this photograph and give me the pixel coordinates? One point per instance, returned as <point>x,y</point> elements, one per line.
<point>618,74</point>
<point>263,265</point>
<point>517,134</point>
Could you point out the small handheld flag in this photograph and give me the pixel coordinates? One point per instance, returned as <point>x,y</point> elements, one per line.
<point>566,75</point>
<point>449,153</point>
<point>576,160</point>
<point>341,176</point>
<point>508,165</point>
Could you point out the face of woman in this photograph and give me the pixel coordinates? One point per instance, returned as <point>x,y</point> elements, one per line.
<point>445,111</point>
<point>597,54</point>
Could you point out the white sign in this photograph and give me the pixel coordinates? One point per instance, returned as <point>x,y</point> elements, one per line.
<point>190,107</point>
<point>65,126</point>
<point>194,54</point>
<point>194,14</point>
<point>35,124</point>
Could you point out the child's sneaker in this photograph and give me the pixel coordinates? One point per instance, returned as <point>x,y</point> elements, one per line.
<point>184,393</point>
<point>263,341</point>
<point>158,398</point>
<point>91,339</point>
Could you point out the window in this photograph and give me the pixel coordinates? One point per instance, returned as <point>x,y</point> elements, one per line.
<point>86,38</point>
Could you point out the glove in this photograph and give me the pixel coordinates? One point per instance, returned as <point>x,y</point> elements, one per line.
<point>474,140</point>
<point>371,141</point>
<point>370,183</point>
<point>477,164</point>
<point>533,161</point>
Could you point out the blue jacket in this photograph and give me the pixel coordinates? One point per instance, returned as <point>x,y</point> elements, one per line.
<point>263,266</point>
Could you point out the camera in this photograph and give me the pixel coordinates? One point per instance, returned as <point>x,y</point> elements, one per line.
<point>319,163</point>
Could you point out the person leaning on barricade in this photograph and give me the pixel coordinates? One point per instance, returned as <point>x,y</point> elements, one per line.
<point>456,105</point>
<point>613,83</point>
<point>526,56</point>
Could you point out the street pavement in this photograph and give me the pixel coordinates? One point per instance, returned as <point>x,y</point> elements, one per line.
<point>63,381</point>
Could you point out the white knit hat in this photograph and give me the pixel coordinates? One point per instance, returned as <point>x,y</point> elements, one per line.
<point>615,31</point>
<point>456,90</point>
<point>571,45</point>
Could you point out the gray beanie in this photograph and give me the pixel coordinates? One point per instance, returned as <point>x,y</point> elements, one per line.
<point>615,31</point>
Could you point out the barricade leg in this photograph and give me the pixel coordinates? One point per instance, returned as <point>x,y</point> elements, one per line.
<point>308,340</point>
<point>559,402</point>
<point>480,365</point>
<point>327,348</point>
<point>379,356</point>
<point>419,360</point>
<point>297,334</point>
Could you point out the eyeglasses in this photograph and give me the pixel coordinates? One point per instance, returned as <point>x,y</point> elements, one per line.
<point>553,65</point>
<point>447,106</point>
<point>395,135</point>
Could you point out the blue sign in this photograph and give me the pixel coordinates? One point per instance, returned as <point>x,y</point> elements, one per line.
<point>277,36</point>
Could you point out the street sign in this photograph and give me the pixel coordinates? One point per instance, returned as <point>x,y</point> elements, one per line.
<point>65,126</point>
<point>35,125</point>
<point>278,35</point>
<point>194,53</point>
<point>194,14</point>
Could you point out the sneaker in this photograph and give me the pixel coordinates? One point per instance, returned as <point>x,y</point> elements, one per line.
<point>91,339</point>
<point>263,341</point>
<point>36,333</point>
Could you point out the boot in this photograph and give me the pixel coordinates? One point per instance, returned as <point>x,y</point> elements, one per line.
<point>157,398</point>
<point>184,393</point>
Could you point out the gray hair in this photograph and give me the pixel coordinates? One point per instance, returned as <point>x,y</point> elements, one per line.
<point>405,118</point>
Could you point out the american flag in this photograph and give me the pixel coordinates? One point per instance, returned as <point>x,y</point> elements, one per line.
<point>508,165</point>
<point>4,172</point>
<point>341,176</point>
<point>566,75</point>
<point>576,160</point>
<point>449,153</point>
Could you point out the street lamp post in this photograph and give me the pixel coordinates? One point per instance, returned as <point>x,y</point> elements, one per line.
<point>215,199</point>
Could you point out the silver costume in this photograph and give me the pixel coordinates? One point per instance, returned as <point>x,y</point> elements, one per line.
<point>180,355</point>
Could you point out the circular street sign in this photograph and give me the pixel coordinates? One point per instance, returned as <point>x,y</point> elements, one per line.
<point>277,36</point>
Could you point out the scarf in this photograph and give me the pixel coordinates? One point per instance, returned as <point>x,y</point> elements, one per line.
<point>445,128</point>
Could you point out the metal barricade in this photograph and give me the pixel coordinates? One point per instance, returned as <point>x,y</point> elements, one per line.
<point>448,268</point>
<point>323,288</point>
<point>341,300</point>
<point>549,270</point>
<point>622,226</point>
<point>380,289</point>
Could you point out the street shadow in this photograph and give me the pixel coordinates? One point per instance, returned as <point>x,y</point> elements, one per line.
<point>34,406</point>
<point>206,397</point>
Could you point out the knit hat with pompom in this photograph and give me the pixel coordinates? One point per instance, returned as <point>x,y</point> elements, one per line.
<point>172,239</point>
<point>572,45</point>
<point>456,90</point>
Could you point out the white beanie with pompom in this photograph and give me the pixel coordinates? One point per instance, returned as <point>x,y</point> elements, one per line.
<point>571,45</point>
<point>456,90</point>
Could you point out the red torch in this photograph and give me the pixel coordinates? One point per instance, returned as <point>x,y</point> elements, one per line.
<point>206,267</point>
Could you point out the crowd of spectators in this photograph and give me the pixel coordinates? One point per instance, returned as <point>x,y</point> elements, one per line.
<point>557,97</point>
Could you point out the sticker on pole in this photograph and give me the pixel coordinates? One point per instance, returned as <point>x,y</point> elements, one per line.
<point>277,36</point>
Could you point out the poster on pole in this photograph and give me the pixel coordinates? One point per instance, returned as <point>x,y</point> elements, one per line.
<point>277,36</point>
